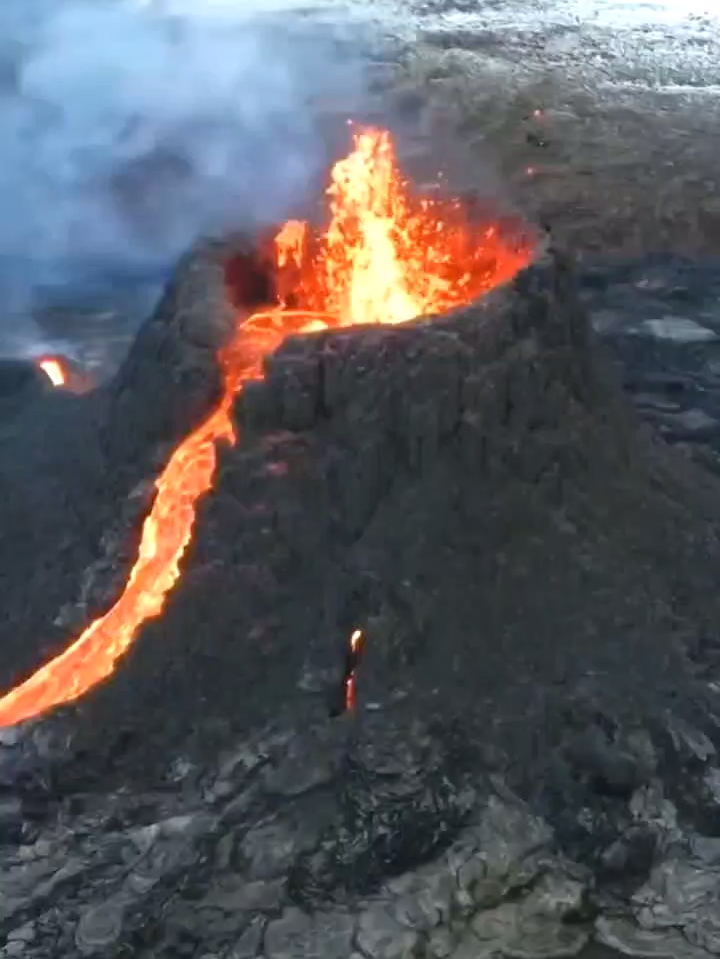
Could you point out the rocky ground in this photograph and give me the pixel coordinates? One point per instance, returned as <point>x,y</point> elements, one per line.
<point>600,119</point>
<point>532,762</point>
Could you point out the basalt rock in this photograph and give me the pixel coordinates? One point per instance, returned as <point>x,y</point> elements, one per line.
<point>171,378</point>
<point>76,472</point>
<point>533,754</point>
<point>20,382</point>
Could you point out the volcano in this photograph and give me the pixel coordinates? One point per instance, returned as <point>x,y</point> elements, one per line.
<point>390,639</point>
<point>381,260</point>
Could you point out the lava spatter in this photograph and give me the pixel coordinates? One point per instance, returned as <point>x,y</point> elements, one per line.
<point>386,256</point>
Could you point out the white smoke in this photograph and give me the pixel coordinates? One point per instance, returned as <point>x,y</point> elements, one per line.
<point>128,128</point>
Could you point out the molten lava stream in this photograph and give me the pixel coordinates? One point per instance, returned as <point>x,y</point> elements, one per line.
<point>386,257</point>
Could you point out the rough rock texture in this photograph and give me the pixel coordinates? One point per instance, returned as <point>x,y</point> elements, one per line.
<point>21,382</point>
<point>579,113</point>
<point>171,378</point>
<point>76,472</point>
<point>533,756</point>
<point>661,319</point>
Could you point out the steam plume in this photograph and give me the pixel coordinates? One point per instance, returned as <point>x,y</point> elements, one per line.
<point>128,128</point>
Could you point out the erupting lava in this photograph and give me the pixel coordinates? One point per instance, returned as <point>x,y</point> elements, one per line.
<point>53,369</point>
<point>386,257</point>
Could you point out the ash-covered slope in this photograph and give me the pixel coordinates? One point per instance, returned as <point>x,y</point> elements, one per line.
<point>534,578</point>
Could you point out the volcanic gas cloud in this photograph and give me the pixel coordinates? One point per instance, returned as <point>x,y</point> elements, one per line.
<point>387,256</point>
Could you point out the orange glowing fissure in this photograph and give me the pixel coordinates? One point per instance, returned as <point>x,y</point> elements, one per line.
<point>53,369</point>
<point>386,257</point>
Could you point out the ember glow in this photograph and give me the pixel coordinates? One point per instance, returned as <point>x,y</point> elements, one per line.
<point>385,257</point>
<point>53,369</point>
<point>356,645</point>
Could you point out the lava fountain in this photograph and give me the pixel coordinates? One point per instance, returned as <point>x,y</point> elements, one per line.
<point>387,256</point>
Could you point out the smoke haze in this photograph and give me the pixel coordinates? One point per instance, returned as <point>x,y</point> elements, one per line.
<point>127,129</point>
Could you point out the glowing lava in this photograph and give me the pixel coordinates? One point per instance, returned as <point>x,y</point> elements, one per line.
<point>389,256</point>
<point>386,257</point>
<point>356,644</point>
<point>53,369</point>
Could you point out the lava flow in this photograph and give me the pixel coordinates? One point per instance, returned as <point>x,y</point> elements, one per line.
<point>357,640</point>
<point>385,257</point>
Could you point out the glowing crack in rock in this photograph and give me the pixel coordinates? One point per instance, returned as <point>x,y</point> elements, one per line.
<point>357,640</point>
<point>53,369</point>
<point>386,256</point>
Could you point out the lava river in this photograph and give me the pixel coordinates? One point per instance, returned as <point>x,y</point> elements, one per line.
<point>387,256</point>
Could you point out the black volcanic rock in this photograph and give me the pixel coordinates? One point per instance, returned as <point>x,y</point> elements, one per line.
<point>171,377</point>
<point>20,382</point>
<point>76,471</point>
<point>537,725</point>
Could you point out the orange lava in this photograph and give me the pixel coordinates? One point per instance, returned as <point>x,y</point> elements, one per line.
<point>356,644</point>
<point>385,257</point>
<point>53,369</point>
